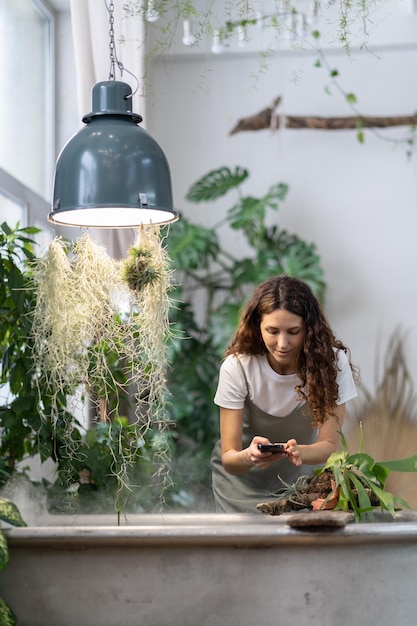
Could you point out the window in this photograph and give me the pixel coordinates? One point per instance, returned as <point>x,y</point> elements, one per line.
<point>26,105</point>
<point>19,204</point>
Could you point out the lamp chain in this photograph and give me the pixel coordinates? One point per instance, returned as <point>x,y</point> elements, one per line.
<point>113,53</point>
<point>112,47</point>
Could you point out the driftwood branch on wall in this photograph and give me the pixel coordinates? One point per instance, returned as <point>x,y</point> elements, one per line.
<point>269,119</point>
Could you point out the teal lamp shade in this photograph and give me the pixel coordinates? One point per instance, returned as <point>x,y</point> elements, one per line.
<point>112,173</point>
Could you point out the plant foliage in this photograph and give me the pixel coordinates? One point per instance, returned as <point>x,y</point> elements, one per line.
<point>8,513</point>
<point>360,481</point>
<point>19,413</point>
<point>225,19</point>
<point>207,273</point>
<point>60,333</point>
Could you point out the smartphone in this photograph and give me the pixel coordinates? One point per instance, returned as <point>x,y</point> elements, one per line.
<point>271,447</point>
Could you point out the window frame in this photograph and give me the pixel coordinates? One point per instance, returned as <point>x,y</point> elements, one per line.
<point>35,208</point>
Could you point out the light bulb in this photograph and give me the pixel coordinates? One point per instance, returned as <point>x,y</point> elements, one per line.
<point>216,46</point>
<point>298,26</point>
<point>313,13</point>
<point>152,15</point>
<point>188,38</point>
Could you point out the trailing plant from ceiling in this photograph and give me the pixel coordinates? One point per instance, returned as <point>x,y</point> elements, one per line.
<point>301,25</point>
<point>101,325</point>
<point>226,20</point>
<point>32,420</point>
<point>211,287</point>
<point>352,101</point>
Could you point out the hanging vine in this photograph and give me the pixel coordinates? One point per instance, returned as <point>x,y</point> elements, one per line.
<point>100,325</point>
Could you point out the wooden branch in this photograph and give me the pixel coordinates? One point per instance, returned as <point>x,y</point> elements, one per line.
<point>268,118</point>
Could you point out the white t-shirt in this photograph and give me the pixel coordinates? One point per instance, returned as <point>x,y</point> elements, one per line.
<point>272,392</point>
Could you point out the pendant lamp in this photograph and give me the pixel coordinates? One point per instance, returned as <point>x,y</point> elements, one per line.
<point>112,173</point>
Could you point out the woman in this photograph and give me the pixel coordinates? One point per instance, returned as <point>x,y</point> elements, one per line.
<point>285,379</point>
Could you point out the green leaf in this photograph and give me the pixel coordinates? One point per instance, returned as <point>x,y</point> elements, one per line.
<point>351,98</point>
<point>249,272</point>
<point>366,464</point>
<point>334,459</point>
<point>216,184</point>
<point>386,499</point>
<point>334,73</point>
<point>363,499</point>
<point>10,513</point>
<point>224,323</point>
<point>7,617</point>
<point>340,481</point>
<point>350,498</point>
<point>191,246</point>
<point>402,465</point>
<point>246,212</point>
<point>4,552</point>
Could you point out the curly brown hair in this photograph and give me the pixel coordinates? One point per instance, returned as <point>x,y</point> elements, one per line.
<point>317,362</point>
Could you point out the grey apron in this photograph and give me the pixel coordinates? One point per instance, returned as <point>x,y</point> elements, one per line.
<point>241,493</point>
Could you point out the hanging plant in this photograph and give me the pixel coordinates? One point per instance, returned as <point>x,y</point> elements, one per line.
<point>100,325</point>
<point>147,272</point>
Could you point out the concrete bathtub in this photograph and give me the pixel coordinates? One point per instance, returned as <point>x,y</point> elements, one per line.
<point>211,570</point>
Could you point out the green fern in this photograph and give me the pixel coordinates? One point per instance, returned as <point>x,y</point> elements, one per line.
<point>361,481</point>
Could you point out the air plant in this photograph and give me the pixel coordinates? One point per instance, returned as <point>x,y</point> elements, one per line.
<point>140,268</point>
<point>100,325</point>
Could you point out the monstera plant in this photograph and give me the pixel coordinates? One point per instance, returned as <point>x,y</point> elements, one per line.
<point>211,286</point>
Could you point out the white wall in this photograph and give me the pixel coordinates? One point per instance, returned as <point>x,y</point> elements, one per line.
<point>356,202</point>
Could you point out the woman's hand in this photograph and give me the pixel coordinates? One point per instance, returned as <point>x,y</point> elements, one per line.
<point>327,441</point>
<point>262,459</point>
<point>293,452</point>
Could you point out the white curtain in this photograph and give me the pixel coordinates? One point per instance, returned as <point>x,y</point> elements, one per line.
<point>90,31</point>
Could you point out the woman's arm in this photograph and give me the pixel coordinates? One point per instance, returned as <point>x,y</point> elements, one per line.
<point>234,459</point>
<point>327,441</point>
